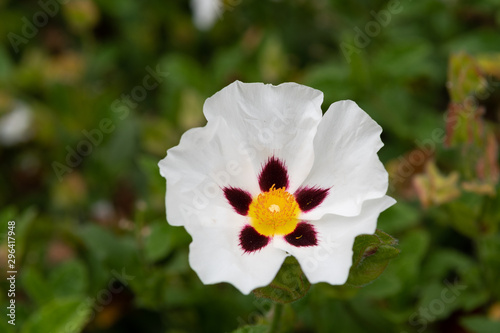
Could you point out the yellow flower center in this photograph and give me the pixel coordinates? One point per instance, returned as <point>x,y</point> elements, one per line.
<point>274,213</point>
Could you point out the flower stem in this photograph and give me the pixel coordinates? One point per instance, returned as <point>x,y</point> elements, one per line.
<point>277,314</point>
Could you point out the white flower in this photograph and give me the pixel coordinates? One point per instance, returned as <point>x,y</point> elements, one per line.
<point>206,12</point>
<point>269,177</point>
<point>15,126</point>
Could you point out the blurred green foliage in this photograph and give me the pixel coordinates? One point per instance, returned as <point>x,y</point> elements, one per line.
<point>93,250</point>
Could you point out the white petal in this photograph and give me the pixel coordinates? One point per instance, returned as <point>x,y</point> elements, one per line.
<point>266,120</point>
<point>216,257</point>
<point>197,170</point>
<point>346,161</point>
<point>206,12</point>
<point>331,259</point>
<point>15,126</point>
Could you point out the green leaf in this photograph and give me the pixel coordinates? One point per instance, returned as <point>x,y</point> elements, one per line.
<point>414,246</point>
<point>488,249</point>
<point>5,64</point>
<point>438,293</point>
<point>478,324</point>
<point>5,327</point>
<point>406,60</point>
<point>272,59</point>
<point>159,242</point>
<point>37,288</point>
<point>386,285</point>
<point>442,261</point>
<point>116,154</point>
<point>399,217</point>
<point>69,279</point>
<point>115,252</point>
<point>463,214</point>
<point>252,329</point>
<point>59,316</point>
<point>371,256</point>
<point>22,228</point>
<point>491,213</point>
<point>162,240</point>
<point>148,285</point>
<point>330,76</point>
<point>289,285</point>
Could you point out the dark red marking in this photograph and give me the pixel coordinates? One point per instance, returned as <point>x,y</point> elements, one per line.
<point>303,235</point>
<point>273,173</point>
<point>239,199</point>
<point>310,197</point>
<point>251,240</point>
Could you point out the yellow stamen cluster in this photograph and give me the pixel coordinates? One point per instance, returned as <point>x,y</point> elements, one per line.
<point>274,212</point>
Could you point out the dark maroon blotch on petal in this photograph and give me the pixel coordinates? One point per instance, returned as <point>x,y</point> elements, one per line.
<point>239,199</point>
<point>303,235</point>
<point>273,173</point>
<point>310,197</point>
<point>251,240</point>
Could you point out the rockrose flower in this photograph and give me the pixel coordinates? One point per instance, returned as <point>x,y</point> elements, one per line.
<point>269,176</point>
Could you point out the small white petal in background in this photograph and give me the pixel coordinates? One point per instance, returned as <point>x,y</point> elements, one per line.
<point>15,126</point>
<point>206,12</point>
<point>103,211</point>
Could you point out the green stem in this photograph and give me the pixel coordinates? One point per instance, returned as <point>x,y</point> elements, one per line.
<point>277,314</point>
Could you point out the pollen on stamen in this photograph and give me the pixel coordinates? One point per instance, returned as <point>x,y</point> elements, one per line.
<point>274,212</point>
<point>274,208</point>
